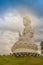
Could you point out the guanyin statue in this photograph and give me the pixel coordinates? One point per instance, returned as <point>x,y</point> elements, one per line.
<point>26,39</point>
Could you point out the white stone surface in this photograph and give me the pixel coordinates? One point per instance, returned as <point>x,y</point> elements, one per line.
<point>26,39</point>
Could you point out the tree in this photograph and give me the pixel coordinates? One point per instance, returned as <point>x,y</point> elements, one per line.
<point>41,44</point>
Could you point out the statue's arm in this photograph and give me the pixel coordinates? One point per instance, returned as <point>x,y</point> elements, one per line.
<point>22,33</point>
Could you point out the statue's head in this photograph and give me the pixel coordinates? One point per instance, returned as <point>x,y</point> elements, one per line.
<point>26,21</point>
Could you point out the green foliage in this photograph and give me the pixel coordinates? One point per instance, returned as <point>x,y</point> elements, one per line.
<point>41,44</point>
<point>13,60</point>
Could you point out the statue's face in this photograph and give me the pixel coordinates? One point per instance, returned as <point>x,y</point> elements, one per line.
<point>26,21</point>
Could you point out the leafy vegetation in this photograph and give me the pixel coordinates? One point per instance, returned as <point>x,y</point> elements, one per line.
<point>41,44</point>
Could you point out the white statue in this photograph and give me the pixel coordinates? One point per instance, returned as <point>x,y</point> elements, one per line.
<point>27,34</point>
<point>26,39</point>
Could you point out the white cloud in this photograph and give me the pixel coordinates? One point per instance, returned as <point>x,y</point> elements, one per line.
<point>13,22</point>
<point>9,25</point>
<point>7,39</point>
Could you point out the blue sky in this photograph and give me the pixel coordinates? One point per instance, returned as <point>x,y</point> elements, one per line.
<point>37,5</point>
<point>11,21</point>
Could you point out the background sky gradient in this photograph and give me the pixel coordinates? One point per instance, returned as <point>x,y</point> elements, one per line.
<point>11,21</point>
